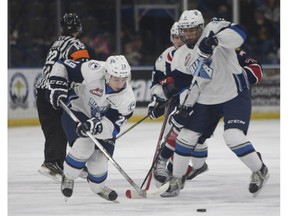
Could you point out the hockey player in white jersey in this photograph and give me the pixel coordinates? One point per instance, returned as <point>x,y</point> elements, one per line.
<point>103,102</point>
<point>162,89</point>
<point>221,90</point>
<point>162,82</point>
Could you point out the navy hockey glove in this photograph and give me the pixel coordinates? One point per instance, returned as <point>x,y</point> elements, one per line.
<point>207,45</point>
<point>92,125</point>
<point>180,116</point>
<point>168,87</point>
<point>58,91</point>
<point>156,107</point>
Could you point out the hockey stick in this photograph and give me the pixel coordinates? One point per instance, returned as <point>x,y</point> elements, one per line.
<point>158,150</point>
<point>138,193</point>
<point>130,128</point>
<point>137,123</point>
<point>149,174</point>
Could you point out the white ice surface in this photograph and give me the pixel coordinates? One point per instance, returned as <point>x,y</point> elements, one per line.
<point>223,190</point>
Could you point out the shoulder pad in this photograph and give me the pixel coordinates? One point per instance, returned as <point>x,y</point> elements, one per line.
<point>93,70</point>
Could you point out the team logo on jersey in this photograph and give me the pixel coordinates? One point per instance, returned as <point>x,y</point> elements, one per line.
<point>187,58</point>
<point>97,110</point>
<point>131,106</point>
<point>19,91</point>
<point>94,65</point>
<point>97,92</point>
<point>206,72</point>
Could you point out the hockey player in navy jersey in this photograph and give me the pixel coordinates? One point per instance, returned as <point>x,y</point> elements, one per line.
<point>221,90</point>
<point>102,102</point>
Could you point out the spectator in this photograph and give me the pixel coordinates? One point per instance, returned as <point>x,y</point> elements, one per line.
<point>132,51</point>
<point>101,48</point>
<point>263,39</point>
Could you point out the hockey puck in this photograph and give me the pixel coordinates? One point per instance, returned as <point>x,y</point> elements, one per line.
<point>201,210</point>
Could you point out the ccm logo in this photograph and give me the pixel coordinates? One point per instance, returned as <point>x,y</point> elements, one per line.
<point>236,122</point>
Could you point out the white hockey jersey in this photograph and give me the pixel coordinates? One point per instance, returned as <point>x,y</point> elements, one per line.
<point>216,81</point>
<point>162,68</point>
<point>94,97</point>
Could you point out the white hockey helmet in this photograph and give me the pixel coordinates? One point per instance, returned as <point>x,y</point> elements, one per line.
<point>117,66</point>
<point>174,30</point>
<point>191,19</point>
<point>191,25</point>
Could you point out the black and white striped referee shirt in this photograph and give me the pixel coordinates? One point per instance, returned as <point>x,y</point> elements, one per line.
<point>66,47</point>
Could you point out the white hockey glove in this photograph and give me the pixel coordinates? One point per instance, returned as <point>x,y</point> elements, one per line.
<point>92,125</point>
<point>58,87</point>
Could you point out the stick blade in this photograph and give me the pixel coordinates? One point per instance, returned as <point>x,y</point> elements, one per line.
<point>132,194</point>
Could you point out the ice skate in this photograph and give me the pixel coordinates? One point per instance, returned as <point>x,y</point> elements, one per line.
<point>194,172</point>
<point>161,174</point>
<point>51,170</point>
<point>258,180</point>
<point>108,194</point>
<point>176,184</point>
<point>67,186</point>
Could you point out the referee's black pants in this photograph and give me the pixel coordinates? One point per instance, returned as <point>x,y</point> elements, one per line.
<point>50,120</point>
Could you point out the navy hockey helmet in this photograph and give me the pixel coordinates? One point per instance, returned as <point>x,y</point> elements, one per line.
<point>70,23</point>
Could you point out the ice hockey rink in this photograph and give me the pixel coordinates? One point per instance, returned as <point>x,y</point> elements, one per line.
<point>223,190</point>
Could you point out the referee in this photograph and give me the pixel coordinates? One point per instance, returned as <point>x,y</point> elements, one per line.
<point>69,47</point>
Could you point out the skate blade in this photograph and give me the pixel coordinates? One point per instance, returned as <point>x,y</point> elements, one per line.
<point>264,182</point>
<point>57,177</point>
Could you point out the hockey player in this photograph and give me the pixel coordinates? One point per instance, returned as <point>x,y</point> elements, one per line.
<point>68,47</point>
<point>163,88</point>
<point>222,90</point>
<point>161,83</point>
<point>163,171</point>
<point>103,102</point>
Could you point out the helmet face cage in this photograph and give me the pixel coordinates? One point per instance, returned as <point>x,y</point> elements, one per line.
<point>191,19</point>
<point>70,23</point>
<point>117,66</point>
<point>174,30</point>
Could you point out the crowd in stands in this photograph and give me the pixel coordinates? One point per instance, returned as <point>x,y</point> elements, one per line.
<point>32,27</point>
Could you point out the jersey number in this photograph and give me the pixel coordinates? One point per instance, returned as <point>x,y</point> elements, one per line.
<point>120,121</point>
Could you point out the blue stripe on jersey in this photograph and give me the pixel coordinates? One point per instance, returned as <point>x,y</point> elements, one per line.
<point>97,179</point>
<point>199,154</point>
<point>114,133</point>
<point>240,30</point>
<point>182,150</point>
<point>243,149</point>
<point>74,163</point>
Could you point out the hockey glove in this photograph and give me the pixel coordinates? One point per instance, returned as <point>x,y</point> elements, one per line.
<point>92,125</point>
<point>180,116</point>
<point>207,45</point>
<point>168,87</point>
<point>58,88</point>
<point>156,107</point>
